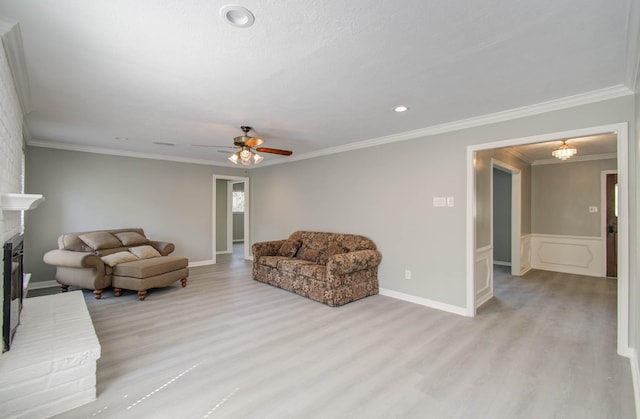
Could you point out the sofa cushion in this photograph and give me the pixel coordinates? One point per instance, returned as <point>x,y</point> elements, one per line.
<point>131,238</point>
<point>120,257</point>
<point>144,268</point>
<point>271,261</point>
<point>145,252</point>
<point>100,240</point>
<point>308,254</point>
<point>333,249</point>
<point>289,248</point>
<point>292,265</point>
<point>318,272</point>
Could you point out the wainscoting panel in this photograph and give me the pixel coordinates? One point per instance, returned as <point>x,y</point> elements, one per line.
<point>483,275</point>
<point>525,254</point>
<point>569,254</point>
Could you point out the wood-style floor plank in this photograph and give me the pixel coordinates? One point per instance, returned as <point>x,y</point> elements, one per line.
<point>230,347</point>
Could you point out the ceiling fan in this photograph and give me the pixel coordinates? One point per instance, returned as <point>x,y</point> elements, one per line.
<point>249,148</point>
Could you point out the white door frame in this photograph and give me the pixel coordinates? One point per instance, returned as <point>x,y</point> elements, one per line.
<point>622,131</point>
<point>247,206</point>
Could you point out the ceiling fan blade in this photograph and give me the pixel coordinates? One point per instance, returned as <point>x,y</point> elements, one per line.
<point>253,142</point>
<point>212,146</point>
<point>230,150</point>
<point>274,151</point>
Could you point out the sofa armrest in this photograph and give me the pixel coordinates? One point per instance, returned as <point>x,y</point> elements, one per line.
<point>165,248</point>
<point>72,259</point>
<point>269,248</point>
<point>346,263</point>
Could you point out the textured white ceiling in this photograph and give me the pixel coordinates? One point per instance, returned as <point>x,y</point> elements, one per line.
<point>309,75</point>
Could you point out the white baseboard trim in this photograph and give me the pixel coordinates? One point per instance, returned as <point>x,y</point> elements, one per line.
<point>635,375</point>
<point>42,285</point>
<point>481,299</point>
<point>201,263</point>
<point>424,302</point>
<point>525,270</point>
<point>26,278</point>
<point>497,262</point>
<point>224,252</point>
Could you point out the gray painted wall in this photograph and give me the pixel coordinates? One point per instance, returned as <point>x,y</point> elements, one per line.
<point>501,216</point>
<point>374,192</point>
<point>85,191</point>
<point>367,191</point>
<point>562,194</point>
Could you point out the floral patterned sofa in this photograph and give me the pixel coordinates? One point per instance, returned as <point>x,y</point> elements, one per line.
<point>332,268</point>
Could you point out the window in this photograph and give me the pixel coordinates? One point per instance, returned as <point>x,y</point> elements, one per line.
<point>237,203</point>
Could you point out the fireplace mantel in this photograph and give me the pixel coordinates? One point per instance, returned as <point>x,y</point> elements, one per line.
<point>20,201</point>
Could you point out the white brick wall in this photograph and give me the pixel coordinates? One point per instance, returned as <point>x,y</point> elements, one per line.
<point>11,144</point>
<point>51,367</point>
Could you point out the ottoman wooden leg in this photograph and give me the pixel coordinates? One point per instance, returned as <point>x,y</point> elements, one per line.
<point>184,282</point>
<point>65,288</point>
<point>142,294</point>
<point>117,292</point>
<point>98,294</point>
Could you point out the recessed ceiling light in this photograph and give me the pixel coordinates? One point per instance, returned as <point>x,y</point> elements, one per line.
<point>237,16</point>
<point>400,108</point>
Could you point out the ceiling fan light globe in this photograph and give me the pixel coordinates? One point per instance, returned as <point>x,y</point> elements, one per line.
<point>234,158</point>
<point>245,162</point>
<point>245,154</point>
<point>257,158</point>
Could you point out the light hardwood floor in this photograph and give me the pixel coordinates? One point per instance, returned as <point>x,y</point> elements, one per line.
<point>229,347</point>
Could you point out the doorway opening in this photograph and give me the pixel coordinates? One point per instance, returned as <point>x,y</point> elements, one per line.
<point>475,269</point>
<point>230,222</point>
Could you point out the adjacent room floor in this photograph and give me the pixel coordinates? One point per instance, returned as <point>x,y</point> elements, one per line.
<point>229,347</point>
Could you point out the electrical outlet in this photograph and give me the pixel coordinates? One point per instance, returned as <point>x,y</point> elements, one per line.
<point>593,209</point>
<point>407,274</point>
<point>449,201</point>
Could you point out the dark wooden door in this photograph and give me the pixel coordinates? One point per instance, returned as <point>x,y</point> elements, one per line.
<point>612,226</point>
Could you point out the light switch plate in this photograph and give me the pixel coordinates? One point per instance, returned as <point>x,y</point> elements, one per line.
<point>593,209</point>
<point>439,201</point>
<point>449,201</point>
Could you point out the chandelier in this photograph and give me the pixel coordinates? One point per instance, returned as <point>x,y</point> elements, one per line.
<point>245,156</point>
<point>565,151</point>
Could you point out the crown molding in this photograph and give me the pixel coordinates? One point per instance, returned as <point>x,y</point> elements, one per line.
<point>536,109</point>
<point>123,153</point>
<point>576,159</point>
<point>633,46</point>
<point>515,153</point>
<point>12,41</point>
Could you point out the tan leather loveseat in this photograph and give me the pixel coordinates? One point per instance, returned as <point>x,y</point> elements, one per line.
<point>122,258</point>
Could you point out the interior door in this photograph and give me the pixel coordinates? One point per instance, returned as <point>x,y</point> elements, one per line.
<point>612,225</point>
